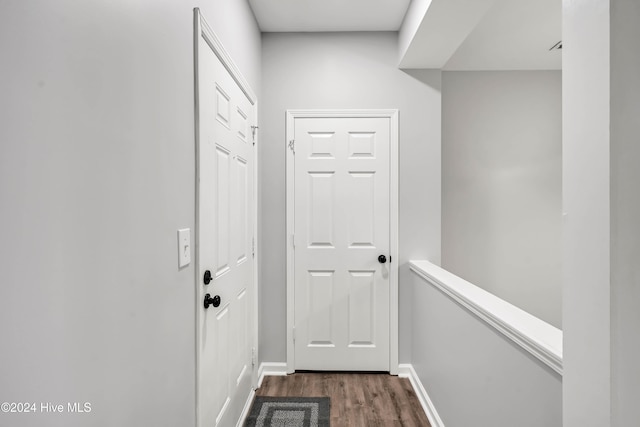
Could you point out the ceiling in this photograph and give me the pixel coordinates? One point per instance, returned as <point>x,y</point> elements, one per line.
<point>513,35</point>
<point>451,34</point>
<point>329,15</point>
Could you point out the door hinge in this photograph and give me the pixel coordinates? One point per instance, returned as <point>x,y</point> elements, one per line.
<point>292,146</point>
<point>254,129</point>
<point>253,247</point>
<point>293,241</point>
<point>253,356</point>
<point>294,334</point>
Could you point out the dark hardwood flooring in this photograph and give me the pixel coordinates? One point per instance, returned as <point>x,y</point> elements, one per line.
<point>357,399</point>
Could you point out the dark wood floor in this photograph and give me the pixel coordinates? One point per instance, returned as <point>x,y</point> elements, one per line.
<point>357,399</point>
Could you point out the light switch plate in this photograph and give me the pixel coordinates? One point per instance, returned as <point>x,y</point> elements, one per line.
<point>184,247</point>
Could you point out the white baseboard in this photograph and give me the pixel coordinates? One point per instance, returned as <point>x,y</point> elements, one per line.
<point>246,409</point>
<point>405,370</point>
<point>266,368</point>
<point>271,368</point>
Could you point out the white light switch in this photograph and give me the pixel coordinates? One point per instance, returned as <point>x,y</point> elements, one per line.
<point>184,247</point>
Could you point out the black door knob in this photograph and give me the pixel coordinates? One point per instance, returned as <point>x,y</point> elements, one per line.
<point>207,277</point>
<point>215,301</point>
<point>382,259</point>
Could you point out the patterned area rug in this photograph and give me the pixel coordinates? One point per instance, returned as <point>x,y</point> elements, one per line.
<point>289,412</point>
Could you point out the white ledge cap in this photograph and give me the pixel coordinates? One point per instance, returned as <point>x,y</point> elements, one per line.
<point>542,340</point>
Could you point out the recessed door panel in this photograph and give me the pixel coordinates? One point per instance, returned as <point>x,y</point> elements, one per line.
<point>222,335</point>
<point>362,302</point>
<point>321,208</point>
<point>222,209</point>
<point>320,306</point>
<point>240,338</point>
<point>361,209</point>
<point>243,125</point>
<point>362,145</point>
<point>241,225</point>
<point>323,145</point>
<point>223,107</point>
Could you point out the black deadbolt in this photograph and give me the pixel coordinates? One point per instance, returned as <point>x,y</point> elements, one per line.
<point>382,259</point>
<point>215,301</point>
<point>207,277</point>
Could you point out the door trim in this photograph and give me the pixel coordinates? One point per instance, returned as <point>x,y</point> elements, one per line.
<point>392,115</point>
<point>202,29</point>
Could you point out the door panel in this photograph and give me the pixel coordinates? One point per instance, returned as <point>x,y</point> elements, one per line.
<point>341,225</point>
<point>362,308</point>
<point>320,209</point>
<point>225,233</point>
<point>320,330</point>
<point>361,209</point>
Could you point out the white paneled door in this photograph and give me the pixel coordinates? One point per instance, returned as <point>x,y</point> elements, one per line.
<point>225,240</point>
<point>341,240</point>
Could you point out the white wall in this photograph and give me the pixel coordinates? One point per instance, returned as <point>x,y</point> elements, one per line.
<point>586,229</point>
<point>433,30</point>
<point>502,185</point>
<point>625,211</point>
<point>473,374</point>
<point>97,173</point>
<point>340,70</point>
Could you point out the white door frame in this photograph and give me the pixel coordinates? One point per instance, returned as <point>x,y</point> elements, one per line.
<point>202,29</point>
<point>392,115</point>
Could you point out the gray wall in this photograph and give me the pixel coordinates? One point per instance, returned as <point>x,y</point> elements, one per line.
<point>586,310</point>
<point>625,211</point>
<point>502,185</point>
<point>97,173</point>
<point>474,375</point>
<point>337,70</point>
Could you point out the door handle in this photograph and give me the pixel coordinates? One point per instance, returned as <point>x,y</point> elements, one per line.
<point>207,277</point>
<point>382,259</point>
<point>215,301</point>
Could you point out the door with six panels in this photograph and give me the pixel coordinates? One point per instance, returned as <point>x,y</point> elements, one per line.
<point>341,243</point>
<point>225,165</point>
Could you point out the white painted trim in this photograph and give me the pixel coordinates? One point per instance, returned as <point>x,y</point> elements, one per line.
<point>197,31</point>
<point>246,409</point>
<point>202,29</point>
<point>290,174</point>
<point>214,42</point>
<point>389,113</point>
<point>536,336</point>
<point>394,250</point>
<point>271,368</point>
<point>406,370</point>
<point>392,115</point>
<point>256,248</point>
